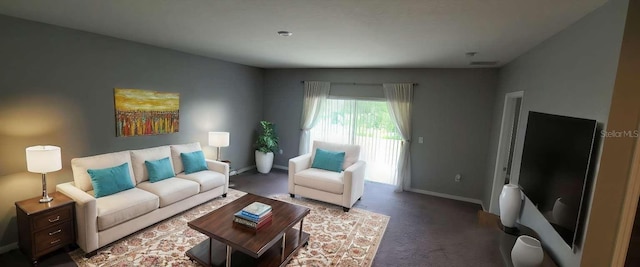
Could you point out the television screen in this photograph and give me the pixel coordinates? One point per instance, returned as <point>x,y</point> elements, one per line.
<point>554,168</point>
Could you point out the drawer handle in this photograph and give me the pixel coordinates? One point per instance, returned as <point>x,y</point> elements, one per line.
<point>54,220</point>
<point>55,232</point>
<point>55,241</point>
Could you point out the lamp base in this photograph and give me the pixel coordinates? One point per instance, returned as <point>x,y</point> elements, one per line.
<point>46,199</point>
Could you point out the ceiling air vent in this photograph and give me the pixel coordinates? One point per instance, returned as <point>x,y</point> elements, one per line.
<point>483,63</point>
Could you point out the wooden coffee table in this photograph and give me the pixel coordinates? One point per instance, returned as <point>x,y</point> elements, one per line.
<point>229,243</point>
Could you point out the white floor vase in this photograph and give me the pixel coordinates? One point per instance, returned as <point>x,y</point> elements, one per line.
<point>510,202</point>
<point>264,161</point>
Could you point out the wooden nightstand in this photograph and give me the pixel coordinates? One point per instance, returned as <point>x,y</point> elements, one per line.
<point>45,227</point>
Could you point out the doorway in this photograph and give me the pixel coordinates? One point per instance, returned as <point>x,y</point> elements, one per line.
<point>506,146</point>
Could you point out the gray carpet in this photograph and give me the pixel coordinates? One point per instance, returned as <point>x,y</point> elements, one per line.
<point>423,230</point>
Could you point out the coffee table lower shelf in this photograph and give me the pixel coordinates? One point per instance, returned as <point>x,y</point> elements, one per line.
<point>271,257</point>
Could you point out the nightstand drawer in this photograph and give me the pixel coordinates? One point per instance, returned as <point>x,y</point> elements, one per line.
<point>58,235</point>
<point>52,217</point>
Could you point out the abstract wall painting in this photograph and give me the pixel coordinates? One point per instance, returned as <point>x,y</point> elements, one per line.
<point>146,112</point>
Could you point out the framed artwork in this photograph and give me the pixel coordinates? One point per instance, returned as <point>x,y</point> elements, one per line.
<point>146,112</point>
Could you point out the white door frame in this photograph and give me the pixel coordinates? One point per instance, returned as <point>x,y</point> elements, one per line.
<point>506,128</point>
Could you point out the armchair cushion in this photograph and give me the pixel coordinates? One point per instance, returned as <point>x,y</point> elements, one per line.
<point>352,152</point>
<point>323,180</point>
<point>328,160</point>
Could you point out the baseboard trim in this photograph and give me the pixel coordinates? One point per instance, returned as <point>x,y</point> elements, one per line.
<point>281,167</point>
<point>443,195</point>
<point>7,248</point>
<point>241,170</point>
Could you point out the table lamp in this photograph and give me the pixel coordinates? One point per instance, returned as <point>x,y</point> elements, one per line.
<point>219,139</point>
<point>44,159</point>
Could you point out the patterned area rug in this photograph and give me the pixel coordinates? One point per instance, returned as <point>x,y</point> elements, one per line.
<point>337,238</point>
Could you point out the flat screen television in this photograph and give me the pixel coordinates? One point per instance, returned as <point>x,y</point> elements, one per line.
<point>555,167</point>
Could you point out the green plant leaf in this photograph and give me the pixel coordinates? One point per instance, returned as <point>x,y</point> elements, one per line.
<point>267,139</point>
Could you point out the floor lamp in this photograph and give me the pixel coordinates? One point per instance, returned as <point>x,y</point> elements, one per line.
<point>43,159</point>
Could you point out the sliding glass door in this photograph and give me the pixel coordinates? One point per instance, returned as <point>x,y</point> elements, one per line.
<point>366,123</point>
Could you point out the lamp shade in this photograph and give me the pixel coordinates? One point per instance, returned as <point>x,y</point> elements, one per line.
<point>43,159</point>
<point>219,139</point>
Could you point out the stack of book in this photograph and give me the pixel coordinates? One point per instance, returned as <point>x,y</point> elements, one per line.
<point>254,216</point>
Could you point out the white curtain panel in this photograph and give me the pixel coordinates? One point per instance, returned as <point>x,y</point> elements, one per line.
<point>315,93</point>
<point>399,99</point>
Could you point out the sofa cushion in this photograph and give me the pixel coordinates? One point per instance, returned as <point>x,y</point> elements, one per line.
<point>175,154</point>
<point>123,206</point>
<point>159,170</point>
<point>193,162</point>
<point>328,160</point>
<point>80,166</point>
<point>323,180</point>
<point>109,181</point>
<point>207,179</point>
<point>171,190</point>
<point>352,152</point>
<point>138,157</point>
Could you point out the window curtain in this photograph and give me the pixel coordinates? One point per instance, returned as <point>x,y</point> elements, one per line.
<point>399,100</point>
<point>315,94</point>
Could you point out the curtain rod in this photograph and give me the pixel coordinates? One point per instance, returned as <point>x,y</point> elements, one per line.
<point>343,83</point>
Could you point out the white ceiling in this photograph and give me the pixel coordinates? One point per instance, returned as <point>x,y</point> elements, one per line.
<point>326,33</point>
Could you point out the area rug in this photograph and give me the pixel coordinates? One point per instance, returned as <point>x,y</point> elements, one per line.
<point>337,238</point>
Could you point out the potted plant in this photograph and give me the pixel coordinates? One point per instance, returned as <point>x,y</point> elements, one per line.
<point>266,144</point>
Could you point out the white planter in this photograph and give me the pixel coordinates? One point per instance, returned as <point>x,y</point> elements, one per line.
<point>510,201</point>
<point>264,161</point>
<point>527,252</point>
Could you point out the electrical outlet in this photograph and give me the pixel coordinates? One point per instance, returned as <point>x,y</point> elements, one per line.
<point>457,178</point>
<point>420,140</point>
<point>280,151</point>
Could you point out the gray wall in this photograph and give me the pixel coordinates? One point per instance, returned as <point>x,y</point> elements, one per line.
<point>452,110</point>
<point>56,87</point>
<point>570,74</point>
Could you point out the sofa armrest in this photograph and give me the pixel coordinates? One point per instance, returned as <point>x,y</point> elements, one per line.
<point>353,183</point>
<point>296,165</point>
<point>86,216</point>
<point>220,167</point>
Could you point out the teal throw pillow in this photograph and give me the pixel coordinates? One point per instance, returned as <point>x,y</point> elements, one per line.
<point>193,162</point>
<point>159,169</point>
<point>109,181</point>
<point>328,160</point>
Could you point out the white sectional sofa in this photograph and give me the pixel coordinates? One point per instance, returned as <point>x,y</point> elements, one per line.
<point>101,221</point>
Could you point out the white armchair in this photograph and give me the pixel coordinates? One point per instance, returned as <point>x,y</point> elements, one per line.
<point>340,188</point>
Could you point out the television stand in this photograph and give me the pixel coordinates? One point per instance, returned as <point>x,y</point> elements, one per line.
<point>505,240</point>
